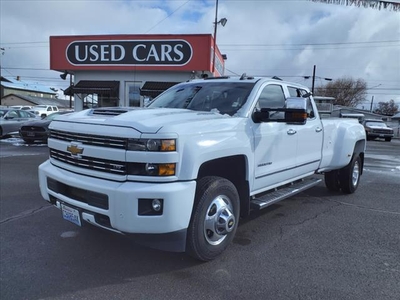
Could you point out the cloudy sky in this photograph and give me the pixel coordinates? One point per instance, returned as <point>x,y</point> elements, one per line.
<point>282,38</point>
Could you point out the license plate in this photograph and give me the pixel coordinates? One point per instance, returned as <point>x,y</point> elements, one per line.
<point>30,134</point>
<point>71,214</point>
<point>381,135</point>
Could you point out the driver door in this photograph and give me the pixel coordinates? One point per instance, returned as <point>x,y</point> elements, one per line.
<point>274,143</point>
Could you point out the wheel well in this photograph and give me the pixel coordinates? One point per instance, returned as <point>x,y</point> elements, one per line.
<point>234,169</point>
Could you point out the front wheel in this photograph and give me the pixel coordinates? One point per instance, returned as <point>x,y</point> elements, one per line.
<point>388,139</point>
<point>214,219</point>
<point>349,176</point>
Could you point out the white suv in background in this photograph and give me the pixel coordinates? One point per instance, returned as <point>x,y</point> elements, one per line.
<point>44,110</point>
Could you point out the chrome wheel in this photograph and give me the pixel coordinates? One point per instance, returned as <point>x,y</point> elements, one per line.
<point>356,173</point>
<point>219,220</point>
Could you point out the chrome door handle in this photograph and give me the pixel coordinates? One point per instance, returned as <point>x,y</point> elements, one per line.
<point>318,129</point>
<point>291,132</point>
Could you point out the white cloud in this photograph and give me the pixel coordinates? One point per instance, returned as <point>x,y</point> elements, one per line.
<point>282,38</point>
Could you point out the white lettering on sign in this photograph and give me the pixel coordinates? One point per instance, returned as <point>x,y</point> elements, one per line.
<point>135,49</point>
<point>105,53</point>
<point>143,53</point>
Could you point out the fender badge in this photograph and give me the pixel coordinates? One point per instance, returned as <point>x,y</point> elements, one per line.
<point>74,150</point>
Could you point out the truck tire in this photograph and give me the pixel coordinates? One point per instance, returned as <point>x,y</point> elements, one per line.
<point>349,176</point>
<point>388,139</point>
<point>332,181</point>
<point>214,218</point>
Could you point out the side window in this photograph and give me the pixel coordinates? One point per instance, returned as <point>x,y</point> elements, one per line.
<point>49,108</point>
<point>294,92</point>
<point>13,114</point>
<point>272,96</point>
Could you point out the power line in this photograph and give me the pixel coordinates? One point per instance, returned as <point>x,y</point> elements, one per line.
<point>310,44</point>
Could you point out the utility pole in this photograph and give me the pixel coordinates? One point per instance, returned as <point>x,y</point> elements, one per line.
<point>313,79</point>
<point>215,35</point>
<point>372,102</point>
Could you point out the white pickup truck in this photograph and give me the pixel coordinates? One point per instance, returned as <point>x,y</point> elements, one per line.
<point>180,173</point>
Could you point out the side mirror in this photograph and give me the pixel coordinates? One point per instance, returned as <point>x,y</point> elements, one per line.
<point>295,112</point>
<point>260,116</point>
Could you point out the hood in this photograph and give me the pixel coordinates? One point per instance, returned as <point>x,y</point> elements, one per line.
<point>379,127</point>
<point>144,120</point>
<point>37,123</point>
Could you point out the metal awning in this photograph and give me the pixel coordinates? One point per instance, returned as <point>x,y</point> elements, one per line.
<point>155,88</point>
<point>93,87</point>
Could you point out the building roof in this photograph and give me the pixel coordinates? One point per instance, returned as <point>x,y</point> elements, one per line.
<point>396,116</point>
<point>41,100</point>
<point>26,85</point>
<point>100,87</point>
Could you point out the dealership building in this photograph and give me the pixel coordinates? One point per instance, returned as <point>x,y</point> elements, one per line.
<point>128,70</point>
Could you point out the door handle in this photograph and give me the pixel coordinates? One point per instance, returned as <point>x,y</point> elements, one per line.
<point>318,129</point>
<point>291,132</point>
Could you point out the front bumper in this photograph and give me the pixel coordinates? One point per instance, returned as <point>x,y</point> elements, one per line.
<point>380,135</point>
<point>121,211</point>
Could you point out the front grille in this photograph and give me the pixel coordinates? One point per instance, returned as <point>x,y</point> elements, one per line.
<point>382,131</point>
<point>91,198</point>
<point>32,128</point>
<point>89,139</point>
<point>90,163</point>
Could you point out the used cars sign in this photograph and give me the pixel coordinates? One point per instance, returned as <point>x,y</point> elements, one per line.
<point>134,52</point>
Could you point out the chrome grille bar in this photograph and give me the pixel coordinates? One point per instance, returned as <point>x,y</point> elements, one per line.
<point>86,162</point>
<point>89,139</point>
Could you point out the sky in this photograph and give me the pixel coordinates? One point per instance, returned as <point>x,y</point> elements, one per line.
<point>284,38</point>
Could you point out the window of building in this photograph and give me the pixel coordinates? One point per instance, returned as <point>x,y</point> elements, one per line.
<point>132,93</point>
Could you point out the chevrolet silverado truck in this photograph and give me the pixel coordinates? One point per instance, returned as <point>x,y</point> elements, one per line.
<point>179,174</point>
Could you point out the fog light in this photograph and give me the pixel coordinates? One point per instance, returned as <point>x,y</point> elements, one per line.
<point>150,207</point>
<point>151,169</point>
<point>156,204</point>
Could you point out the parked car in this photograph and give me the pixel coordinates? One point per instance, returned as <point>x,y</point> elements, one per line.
<point>12,119</point>
<point>377,129</point>
<point>23,107</point>
<point>38,130</point>
<point>44,110</point>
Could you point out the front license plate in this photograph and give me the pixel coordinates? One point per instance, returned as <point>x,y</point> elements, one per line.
<point>30,134</point>
<point>381,135</point>
<point>71,214</point>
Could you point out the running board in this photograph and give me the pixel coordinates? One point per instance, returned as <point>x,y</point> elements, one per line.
<point>282,193</point>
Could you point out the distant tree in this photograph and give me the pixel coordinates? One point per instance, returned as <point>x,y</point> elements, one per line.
<point>346,91</point>
<point>389,108</point>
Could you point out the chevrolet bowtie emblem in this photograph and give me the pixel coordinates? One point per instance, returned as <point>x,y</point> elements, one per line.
<point>74,149</point>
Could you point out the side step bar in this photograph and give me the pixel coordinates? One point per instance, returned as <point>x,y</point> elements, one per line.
<point>282,193</point>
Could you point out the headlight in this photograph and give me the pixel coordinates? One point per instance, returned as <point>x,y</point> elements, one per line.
<point>151,145</point>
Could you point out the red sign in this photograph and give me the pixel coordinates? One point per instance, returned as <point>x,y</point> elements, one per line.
<point>133,52</point>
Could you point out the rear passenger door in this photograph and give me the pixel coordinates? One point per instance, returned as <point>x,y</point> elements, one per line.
<point>274,143</point>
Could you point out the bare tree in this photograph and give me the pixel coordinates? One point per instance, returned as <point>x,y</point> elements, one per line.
<point>346,91</point>
<point>387,108</point>
<point>386,5</point>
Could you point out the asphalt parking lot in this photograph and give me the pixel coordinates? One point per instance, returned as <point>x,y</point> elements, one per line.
<point>316,245</point>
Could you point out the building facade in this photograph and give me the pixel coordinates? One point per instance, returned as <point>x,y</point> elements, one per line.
<point>129,70</point>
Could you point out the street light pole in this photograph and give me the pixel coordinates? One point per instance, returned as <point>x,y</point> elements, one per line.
<point>215,35</point>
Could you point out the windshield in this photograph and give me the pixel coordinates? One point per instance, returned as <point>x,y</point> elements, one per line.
<point>224,97</point>
<point>376,124</point>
